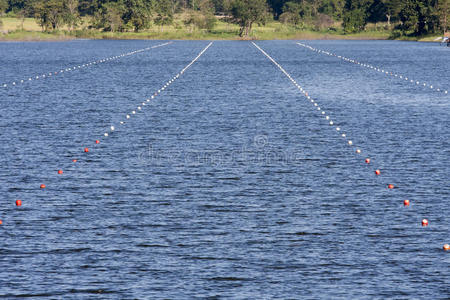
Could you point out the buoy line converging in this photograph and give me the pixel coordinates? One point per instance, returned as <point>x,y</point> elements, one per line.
<point>112,128</point>
<point>166,85</point>
<point>77,67</point>
<point>338,130</point>
<point>377,69</point>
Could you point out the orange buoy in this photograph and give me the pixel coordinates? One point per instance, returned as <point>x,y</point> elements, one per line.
<point>86,149</point>
<point>1,222</point>
<point>390,186</point>
<point>424,222</point>
<point>43,186</point>
<point>60,171</point>
<point>18,202</point>
<point>74,160</point>
<point>446,246</point>
<point>367,160</point>
<point>406,202</point>
<point>97,141</point>
<point>377,172</point>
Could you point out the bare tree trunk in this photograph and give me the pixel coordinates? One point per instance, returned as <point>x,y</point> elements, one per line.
<point>388,16</point>
<point>241,31</point>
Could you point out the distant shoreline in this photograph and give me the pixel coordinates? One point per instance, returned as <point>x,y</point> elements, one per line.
<point>34,36</point>
<point>12,29</point>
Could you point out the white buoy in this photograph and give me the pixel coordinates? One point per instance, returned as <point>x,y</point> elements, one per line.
<point>133,112</point>
<point>106,134</point>
<point>112,128</point>
<point>128,116</point>
<point>331,123</point>
<point>337,128</point>
<point>350,143</point>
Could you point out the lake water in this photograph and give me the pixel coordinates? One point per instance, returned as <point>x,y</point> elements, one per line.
<point>229,183</point>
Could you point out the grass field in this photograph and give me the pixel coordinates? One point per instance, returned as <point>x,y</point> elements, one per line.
<point>29,30</point>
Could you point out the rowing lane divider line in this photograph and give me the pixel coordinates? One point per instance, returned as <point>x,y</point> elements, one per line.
<point>103,60</point>
<point>112,127</point>
<point>358,150</point>
<point>377,69</point>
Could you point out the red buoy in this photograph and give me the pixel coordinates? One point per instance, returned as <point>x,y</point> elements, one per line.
<point>390,186</point>
<point>43,186</point>
<point>97,141</point>
<point>406,202</point>
<point>377,172</point>
<point>60,171</point>
<point>367,160</point>
<point>446,246</point>
<point>1,222</point>
<point>424,222</point>
<point>18,202</point>
<point>74,160</point>
<point>86,149</point>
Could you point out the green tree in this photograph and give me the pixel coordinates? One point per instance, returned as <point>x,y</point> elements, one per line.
<point>333,8</point>
<point>419,17</point>
<point>198,20</point>
<point>203,17</point>
<point>4,5</point>
<point>137,14</point>
<point>109,16</point>
<point>355,15</point>
<point>164,13</point>
<point>444,14</point>
<point>291,13</point>
<point>391,10</point>
<point>49,14</point>
<point>354,20</point>
<point>247,12</point>
<point>72,17</point>
<point>16,5</point>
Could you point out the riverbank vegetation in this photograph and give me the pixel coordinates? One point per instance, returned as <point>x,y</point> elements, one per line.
<point>223,19</point>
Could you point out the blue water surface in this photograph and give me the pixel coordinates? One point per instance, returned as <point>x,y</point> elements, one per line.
<point>229,183</point>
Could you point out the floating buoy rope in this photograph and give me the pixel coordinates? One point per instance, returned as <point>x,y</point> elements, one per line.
<point>77,67</point>
<point>112,128</point>
<point>377,69</point>
<point>359,150</point>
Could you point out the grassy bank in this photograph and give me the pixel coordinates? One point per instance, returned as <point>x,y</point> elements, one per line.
<point>15,30</point>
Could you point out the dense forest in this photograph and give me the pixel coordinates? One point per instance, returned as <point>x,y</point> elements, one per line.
<point>408,17</point>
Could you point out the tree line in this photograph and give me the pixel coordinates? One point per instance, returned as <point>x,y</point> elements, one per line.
<point>408,17</point>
